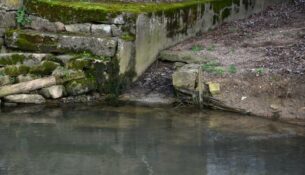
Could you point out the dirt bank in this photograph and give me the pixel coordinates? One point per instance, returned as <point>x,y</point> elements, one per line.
<point>258,64</point>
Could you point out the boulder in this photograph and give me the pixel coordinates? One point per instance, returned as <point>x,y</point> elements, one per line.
<point>54,92</point>
<point>82,86</point>
<point>78,28</point>
<point>184,79</point>
<point>101,29</point>
<point>25,98</point>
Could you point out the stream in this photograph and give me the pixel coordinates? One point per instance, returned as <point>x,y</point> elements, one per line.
<point>131,140</point>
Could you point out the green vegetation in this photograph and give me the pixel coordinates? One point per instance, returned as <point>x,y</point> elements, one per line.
<point>21,17</point>
<point>196,48</point>
<point>15,70</point>
<point>260,71</point>
<point>128,37</point>
<point>215,68</point>
<point>232,69</point>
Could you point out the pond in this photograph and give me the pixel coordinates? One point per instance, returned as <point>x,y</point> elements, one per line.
<point>130,140</point>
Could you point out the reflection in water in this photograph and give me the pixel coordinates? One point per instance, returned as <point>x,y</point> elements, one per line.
<point>144,141</point>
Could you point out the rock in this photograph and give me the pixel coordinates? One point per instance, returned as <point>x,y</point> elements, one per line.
<point>60,26</point>
<point>181,56</point>
<point>178,65</point>
<point>101,29</point>
<point>27,77</point>
<point>54,92</point>
<point>45,68</point>
<point>275,107</point>
<point>214,88</point>
<point>25,98</point>
<point>118,20</point>
<point>65,58</point>
<point>41,24</point>
<point>66,74</point>
<point>7,19</point>
<point>78,28</point>
<point>184,79</point>
<point>5,80</point>
<point>15,70</point>
<point>116,30</point>
<point>59,43</point>
<point>82,86</point>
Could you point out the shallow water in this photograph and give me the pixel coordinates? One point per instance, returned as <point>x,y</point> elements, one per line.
<point>97,140</point>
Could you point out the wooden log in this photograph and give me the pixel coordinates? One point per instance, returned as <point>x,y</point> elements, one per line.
<point>28,86</point>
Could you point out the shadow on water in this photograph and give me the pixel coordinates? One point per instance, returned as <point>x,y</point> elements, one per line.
<point>95,140</point>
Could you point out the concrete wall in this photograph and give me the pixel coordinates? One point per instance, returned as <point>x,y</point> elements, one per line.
<point>155,32</point>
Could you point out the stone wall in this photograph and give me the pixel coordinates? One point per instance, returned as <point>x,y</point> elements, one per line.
<point>110,47</point>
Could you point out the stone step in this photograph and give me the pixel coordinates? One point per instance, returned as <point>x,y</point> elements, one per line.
<point>43,42</point>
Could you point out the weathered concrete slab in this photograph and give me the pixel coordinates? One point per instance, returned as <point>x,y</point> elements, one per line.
<point>59,43</point>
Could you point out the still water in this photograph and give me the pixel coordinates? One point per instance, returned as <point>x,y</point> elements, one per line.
<point>99,140</point>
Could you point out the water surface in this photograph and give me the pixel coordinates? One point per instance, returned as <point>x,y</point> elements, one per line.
<point>98,140</point>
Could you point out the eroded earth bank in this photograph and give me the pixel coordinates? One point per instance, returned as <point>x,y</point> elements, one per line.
<point>254,66</point>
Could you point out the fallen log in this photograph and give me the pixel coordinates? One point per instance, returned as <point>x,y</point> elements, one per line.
<point>32,85</point>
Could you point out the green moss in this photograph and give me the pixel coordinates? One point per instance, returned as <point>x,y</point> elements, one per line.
<point>72,12</point>
<point>31,40</point>
<point>45,68</point>
<point>128,37</point>
<point>79,64</point>
<point>15,70</point>
<point>12,59</point>
<point>81,86</point>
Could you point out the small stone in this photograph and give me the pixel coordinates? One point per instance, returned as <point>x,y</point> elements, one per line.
<point>101,29</point>
<point>274,106</point>
<point>177,65</point>
<point>25,98</point>
<point>54,92</point>
<point>78,28</point>
<point>118,20</point>
<point>214,88</point>
<point>116,30</point>
<point>60,26</point>
<point>243,98</point>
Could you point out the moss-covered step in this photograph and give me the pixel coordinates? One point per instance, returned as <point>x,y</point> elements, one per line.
<point>29,40</point>
<point>79,11</point>
<point>28,59</point>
